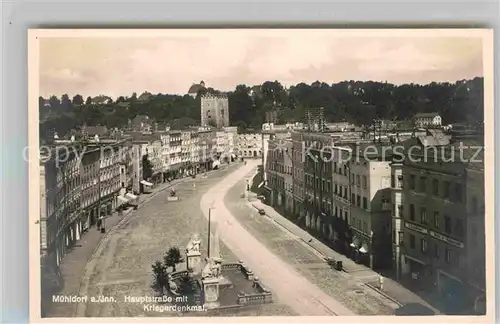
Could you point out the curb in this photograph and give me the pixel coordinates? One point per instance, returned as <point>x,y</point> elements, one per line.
<point>383,294</point>
<point>124,218</point>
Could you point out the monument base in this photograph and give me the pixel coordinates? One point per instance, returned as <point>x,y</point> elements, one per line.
<point>211,293</point>
<point>193,262</point>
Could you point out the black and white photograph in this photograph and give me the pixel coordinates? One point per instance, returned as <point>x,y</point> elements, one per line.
<point>261,172</point>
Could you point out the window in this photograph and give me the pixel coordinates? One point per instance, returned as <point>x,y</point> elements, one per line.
<point>446,189</point>
<point>358,180</point>
<point>459,228</point>
<point>437,221</point>
<point>412,241</point>
<point>353,199</point>
<point>412,212</point>
<point>436,251</point>
<point>334,167</point>
<point>365,182</point>
<point>393,181</point>
<point>435,187</point>
<point>458,192</point>
<point>401,237</point>
<point>474,208</point>
<point>335,189</point>
<point>123,184</point>
<point>423,245</point>
<point>423,215</point>
<point>346,214</point>
<point>336,212</point>
<point>345,170</point>
<point>447,224</point>
<point>412,182</point>
<point>423,184</point>
<point>358,200</point>
<point>447,256</point>
<point>394,236</point>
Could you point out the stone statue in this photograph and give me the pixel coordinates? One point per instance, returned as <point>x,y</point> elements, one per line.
<point>213,268</point>
<point>217,267</point>
<point>194,244</point>
<point>172,285</point>
<point>207,270</point>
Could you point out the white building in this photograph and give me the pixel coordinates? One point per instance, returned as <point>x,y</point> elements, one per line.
<point>370,218</point>
<point>427,119</point>
<point>250,145</point>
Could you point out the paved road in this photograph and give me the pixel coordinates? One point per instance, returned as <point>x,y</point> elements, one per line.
<point>290,287</point>
<point>121,265</point>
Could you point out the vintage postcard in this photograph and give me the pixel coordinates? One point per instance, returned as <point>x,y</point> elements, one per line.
<point>296,174</point>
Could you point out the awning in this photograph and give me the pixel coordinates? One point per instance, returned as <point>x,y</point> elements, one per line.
<point>131,196</point>
<point>364,248</point>
<point>355,243</point>
<point>123,199</point>
<point>146,183</point>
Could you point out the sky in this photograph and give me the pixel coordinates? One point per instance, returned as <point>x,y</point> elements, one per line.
<point>122,62</point>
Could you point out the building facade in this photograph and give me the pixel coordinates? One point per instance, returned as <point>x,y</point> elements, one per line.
<point>370,218</point>
<point>250,145</point>
<point>427,119</point>
<point>298,175</point>
<point>214,110</point>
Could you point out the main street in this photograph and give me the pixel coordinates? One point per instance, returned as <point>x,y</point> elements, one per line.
<point>289,286</point>
<point>121,266</point>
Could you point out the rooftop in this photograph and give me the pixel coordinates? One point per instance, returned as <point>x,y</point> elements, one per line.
<point>426,115</point>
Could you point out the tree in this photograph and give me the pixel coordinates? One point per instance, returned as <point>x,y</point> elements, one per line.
<point>88,102</point>
<point>160,275</point>
<point>172,258</point>
<point>78,100</point>
<point>65,103</point>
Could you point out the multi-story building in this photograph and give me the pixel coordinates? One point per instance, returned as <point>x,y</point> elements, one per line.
<point>232,140</point>
<point>175,153</point>
<point>475,262</point>
<point>165,153</point>
<point>370,211</point>
<point>214,110</point>
<point>318,183</point>
<point>398,264</point>
<point>60,213</point>
<point>340,234</point>
<point>250,145</point>
<point>434,216</point>
<point>221,143</point>
<point>275,175</point>
<point>298,152</point>
<point>206,139</point>
<point>287,147</point>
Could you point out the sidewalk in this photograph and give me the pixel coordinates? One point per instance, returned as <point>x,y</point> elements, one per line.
<point>73,265</point>
<point>391,289</point>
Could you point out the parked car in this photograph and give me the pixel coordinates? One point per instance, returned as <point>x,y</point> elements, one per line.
<point>262,211</point>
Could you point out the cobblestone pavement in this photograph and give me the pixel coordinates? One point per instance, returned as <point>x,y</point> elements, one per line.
<point>359,274</point>
<point>121,266</point>
<point>73,265</point>
<point>306,260</point>
<point>287,284</point>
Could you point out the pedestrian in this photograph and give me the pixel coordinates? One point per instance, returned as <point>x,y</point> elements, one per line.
<point>194,185</point>
<point>381,282</point>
